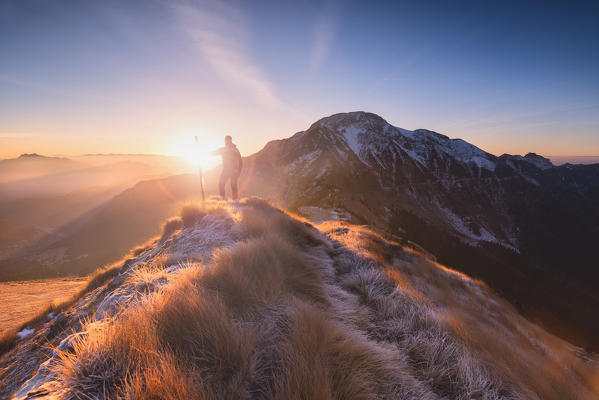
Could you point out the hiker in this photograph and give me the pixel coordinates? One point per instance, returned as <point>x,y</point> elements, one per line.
<point>232,164</point>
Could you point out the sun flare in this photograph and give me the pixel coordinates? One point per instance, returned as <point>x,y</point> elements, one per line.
<point>197,154</point>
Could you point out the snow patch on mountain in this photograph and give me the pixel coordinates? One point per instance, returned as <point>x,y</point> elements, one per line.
<point>305,159</point>
<point>483,235</point>
<point>466,152</point>
<point>351,134</point>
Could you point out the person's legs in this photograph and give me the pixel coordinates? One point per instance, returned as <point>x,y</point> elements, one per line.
<point>221,185</point>
<point>234,186</point>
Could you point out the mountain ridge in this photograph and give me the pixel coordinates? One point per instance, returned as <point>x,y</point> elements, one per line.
<point>246,300</point>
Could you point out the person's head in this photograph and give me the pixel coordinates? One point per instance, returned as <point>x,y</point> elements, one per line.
<point>228,140</point>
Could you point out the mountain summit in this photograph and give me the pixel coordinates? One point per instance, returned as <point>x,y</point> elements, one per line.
<point>370,137</point>
<point>247,301</point>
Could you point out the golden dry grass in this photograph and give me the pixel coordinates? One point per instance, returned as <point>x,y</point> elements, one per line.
<point>292,312</point>
<point>487,347</point>
<point>170,226</point>
<point>191,214</point>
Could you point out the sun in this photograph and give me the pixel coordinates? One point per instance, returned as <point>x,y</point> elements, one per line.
<point>196,154</point>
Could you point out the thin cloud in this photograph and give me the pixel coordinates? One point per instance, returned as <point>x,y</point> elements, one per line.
<point>323,41</point>
<point>218,31</point>
<point>325,31</point>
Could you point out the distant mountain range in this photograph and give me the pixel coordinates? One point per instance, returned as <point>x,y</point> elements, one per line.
<point>33,165</point>
<point>559,160</point>
<point>34,175</point>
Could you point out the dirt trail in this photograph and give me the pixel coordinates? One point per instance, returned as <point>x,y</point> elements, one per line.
<point>22,300</point>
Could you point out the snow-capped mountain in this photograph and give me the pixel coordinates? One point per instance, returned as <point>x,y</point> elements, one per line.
<point>521,224</point>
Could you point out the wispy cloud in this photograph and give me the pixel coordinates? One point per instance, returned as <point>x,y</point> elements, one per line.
<point>218,29</point>
<point>325,30</point>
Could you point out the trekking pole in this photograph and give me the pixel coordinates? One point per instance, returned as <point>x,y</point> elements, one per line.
<point>201,175</point>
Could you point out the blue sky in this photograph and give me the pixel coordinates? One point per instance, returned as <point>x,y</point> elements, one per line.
<point>144,76</point>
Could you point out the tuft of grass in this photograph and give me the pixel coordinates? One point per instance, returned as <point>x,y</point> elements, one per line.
<point>191,214</point>
<point>8,340</point>
<point>262,271</point>
<point>137,251</point>
<point>261,219</point>
<point>170,226</point>
<point>100,277</point>
<point>147,278</point>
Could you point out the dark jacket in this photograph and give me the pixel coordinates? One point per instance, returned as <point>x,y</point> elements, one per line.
<point>231,157</point>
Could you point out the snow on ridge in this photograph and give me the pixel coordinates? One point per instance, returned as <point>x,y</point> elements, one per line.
<point>304,158</point>
<point>368,134</point>
<point>461,150</point>
<point>457,223</point>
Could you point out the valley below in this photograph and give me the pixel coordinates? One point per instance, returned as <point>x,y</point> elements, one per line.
<point>26,298</point>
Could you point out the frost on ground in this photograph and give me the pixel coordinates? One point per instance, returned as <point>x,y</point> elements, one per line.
<point>252,302</point>
<point>22,334</point>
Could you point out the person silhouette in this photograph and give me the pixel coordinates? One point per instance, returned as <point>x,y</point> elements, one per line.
<point>232,164</point>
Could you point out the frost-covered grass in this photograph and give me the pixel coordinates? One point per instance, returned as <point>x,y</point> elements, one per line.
<point>456,333</point>
<point>282,310</point>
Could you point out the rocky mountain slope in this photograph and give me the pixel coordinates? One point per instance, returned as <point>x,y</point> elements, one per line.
<point>524,226</point>
<point>247,301</point>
